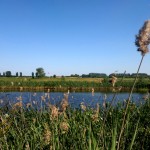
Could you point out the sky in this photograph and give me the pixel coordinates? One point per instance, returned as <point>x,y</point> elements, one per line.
<point>67,37</point>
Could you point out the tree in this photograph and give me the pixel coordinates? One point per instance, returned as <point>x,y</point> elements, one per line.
<point>20,74</point>
<point>32,74</point>
<point>54,76</point>
<point>4,74</point>
<point>40,72</point>
<point>8,73</point>
<point>16,74</point>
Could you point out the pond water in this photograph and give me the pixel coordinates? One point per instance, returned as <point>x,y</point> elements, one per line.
<point>75,99</point>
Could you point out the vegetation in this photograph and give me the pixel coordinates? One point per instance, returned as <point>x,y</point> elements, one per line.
<point>62,127</point>
<point>40,72</point>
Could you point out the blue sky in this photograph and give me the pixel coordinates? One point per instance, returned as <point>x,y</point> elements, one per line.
<point>71,36</point>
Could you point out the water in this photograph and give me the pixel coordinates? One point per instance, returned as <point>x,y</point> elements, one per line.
<point>75,99</point>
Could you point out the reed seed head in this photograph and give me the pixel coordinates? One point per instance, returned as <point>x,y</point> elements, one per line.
<point>47,135</point>
<point>82,106</point>
<point>64,126</point>
<point>143,38</point>
<point>54,111</point>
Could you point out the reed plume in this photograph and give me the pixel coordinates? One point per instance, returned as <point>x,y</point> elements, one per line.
<point>142,42</point>
<point>143,38</point>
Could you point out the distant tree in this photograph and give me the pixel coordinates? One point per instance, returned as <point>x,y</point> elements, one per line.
<point>4,74</point>
<point>74,75</point>
<point>40,72</point>
<point>20,74</point>
<point>36,74</point>
<point>16,74</point>
<point>32,74</point>
<point>0,74</point>
<point>8,73</point>
<point>54,76</point>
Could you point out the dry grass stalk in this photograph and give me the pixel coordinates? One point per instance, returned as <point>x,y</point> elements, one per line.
<point>142,42</point>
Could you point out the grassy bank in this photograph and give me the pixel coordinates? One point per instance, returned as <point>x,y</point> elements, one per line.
<point>73,84</point>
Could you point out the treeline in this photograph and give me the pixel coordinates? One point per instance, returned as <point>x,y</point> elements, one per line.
<point>90,75</point>
<point>103,75</point>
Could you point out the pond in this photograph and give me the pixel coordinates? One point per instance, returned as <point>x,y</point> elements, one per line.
<point>75,98</point>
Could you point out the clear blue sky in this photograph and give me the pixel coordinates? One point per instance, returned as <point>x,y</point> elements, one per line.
<point>71,36</point>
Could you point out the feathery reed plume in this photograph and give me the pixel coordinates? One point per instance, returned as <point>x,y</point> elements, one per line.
<point>82,106</point>
<point>48,90</point>
<point>18,105</point>
<point>19,98</point>
<point>28,105</point>
<point>64,103</point>
<point>54,112</point>
<point>64,126</point>
<point>21,88</point>
<point>95,115</point>
<point>143,38</point>
<point>92,91</point>
<point>27,146</point>
<point>43,98</point>
<point>47,134</point>
<point>142,41</point>
<point>114,80</point>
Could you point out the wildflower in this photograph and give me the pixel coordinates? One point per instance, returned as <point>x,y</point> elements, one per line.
<point>64,126</point>
<point>143,38</point>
